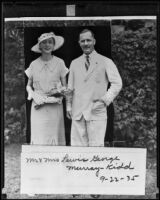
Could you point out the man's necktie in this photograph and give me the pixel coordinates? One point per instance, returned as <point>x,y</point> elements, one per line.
<point>87,63</point>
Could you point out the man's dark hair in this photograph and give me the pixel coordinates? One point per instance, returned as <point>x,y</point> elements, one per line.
<point>86,30</point>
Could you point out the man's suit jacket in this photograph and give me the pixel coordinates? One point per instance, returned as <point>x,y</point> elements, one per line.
<point>91,85</point>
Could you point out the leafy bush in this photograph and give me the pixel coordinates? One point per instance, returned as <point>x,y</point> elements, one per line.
<point>14,84</point>
<point>15,129</point>
<point>134,52</point>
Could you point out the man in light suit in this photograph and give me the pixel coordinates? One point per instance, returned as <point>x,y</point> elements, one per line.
<point>88,79</point>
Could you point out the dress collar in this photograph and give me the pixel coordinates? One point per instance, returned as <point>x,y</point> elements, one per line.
<point>46,64</point>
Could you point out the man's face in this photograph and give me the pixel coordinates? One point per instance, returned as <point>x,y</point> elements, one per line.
<point>86,42</point>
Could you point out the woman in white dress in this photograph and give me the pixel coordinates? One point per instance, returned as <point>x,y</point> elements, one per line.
<point>45,75</point>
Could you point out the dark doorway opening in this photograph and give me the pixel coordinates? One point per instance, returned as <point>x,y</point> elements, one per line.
<point>69,51</point>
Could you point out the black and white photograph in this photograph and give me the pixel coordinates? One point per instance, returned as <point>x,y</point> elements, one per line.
<point>79,97</point>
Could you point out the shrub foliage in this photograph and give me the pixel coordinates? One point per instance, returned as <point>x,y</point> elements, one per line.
<point>14,84</point>
<point>134,52</point>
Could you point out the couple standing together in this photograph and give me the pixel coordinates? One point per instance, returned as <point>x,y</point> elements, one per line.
<point>87,100</point>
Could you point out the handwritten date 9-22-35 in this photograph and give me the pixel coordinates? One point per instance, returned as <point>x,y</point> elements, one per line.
<point>117,179</point>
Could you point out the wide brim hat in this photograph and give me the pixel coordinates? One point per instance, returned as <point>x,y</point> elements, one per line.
<point>59,40</point>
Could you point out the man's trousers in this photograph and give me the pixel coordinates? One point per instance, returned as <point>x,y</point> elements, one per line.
<point>88,133</point>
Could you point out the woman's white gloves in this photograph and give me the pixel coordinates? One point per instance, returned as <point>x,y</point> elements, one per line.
<point>40,99</point>
<point>53,100</point>
<point>30,92</point>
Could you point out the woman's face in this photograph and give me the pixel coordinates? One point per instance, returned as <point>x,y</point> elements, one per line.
<point>47,46</point>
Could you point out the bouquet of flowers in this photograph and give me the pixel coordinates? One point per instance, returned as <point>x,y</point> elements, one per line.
<point>55,95</point>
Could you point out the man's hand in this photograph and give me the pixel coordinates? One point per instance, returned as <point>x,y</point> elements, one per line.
<point>100,100</point>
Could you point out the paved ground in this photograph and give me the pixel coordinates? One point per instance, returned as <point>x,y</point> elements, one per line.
<point>12,179</point>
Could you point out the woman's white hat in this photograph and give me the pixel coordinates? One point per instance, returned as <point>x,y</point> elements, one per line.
<point>59,40</point>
